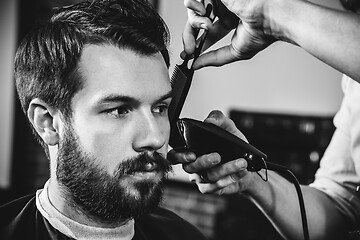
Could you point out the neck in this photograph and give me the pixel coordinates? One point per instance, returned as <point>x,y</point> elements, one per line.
<point>68,208</point>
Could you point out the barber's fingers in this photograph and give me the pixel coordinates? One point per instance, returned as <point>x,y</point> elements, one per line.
<point>230,189</point>
<point>196,6</point>
<point>217,118</point>
<point>189,35</point>
<point>196,21</point>
<point>196,14</point>
<point>217,57</point>
<point>237,167</point>
<point>215,33</point>
<point>220,171</point>
<point>202,163</point>
<point>188,39</point>
<point>175,157</point>
<point>226,185</point>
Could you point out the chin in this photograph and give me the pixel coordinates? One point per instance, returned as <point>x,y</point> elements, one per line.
<point>144,188</point>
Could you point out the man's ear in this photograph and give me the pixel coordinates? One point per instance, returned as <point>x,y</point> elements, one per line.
<point>45,121</point>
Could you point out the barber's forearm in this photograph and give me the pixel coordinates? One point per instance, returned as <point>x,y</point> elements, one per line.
<point>278,200</point>
<point>330,35</point>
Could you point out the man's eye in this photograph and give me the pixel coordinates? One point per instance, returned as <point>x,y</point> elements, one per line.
<point>161,109</point>
<point>119,111</point>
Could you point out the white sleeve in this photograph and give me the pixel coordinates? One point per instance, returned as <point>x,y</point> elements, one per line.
<point>339,172</point>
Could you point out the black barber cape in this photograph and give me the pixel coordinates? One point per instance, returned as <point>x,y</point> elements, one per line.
<point>21,220</point>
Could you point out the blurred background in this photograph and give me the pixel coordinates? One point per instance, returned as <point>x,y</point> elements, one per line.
<point>283,100</point>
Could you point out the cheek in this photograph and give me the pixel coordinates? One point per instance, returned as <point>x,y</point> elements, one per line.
<point>165,126</point>
<point>166,131</point>
<point>109,145</point>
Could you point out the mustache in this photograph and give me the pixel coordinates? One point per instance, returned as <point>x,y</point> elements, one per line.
<point>141,163</point>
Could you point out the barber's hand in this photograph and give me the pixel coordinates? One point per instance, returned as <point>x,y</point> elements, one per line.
<point>227,178</point>
<point>252,31</point>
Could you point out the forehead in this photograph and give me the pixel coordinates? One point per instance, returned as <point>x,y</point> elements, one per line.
<point>109,70</point>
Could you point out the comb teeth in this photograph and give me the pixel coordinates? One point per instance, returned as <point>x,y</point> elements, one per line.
<point>176,75</point>
<point>180,84</point>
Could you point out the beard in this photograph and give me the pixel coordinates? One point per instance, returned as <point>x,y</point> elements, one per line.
<point>106,198</point>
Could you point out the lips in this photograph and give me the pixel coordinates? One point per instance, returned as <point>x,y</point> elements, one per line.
<point>150,172</point>
<point>144,163</point>
<point>145,168</point>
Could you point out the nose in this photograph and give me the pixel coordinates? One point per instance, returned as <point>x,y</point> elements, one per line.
<point>151,134</point>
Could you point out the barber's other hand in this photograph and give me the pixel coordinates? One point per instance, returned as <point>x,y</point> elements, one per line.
<point>252,32</point>
<point>217,178</point>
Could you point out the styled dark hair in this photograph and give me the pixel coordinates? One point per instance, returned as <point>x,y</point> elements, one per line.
<point>46,62</point>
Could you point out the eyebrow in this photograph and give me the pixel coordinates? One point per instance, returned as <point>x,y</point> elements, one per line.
<point>113,98</point>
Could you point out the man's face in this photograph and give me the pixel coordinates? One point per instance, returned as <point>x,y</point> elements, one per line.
<point>111,155</point>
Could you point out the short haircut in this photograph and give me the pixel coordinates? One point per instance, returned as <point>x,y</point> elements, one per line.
<point>46,62</point>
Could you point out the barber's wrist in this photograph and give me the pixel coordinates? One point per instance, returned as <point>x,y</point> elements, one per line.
<point>281,19</point>
<point>252,185</point>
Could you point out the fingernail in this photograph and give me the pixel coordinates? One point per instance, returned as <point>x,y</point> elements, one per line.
<point>215,160</point>
<point>233,178</point>
<point>190,157</point>
<point>240,164</point>
<point>203,25</point>
<point>183,55</point>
